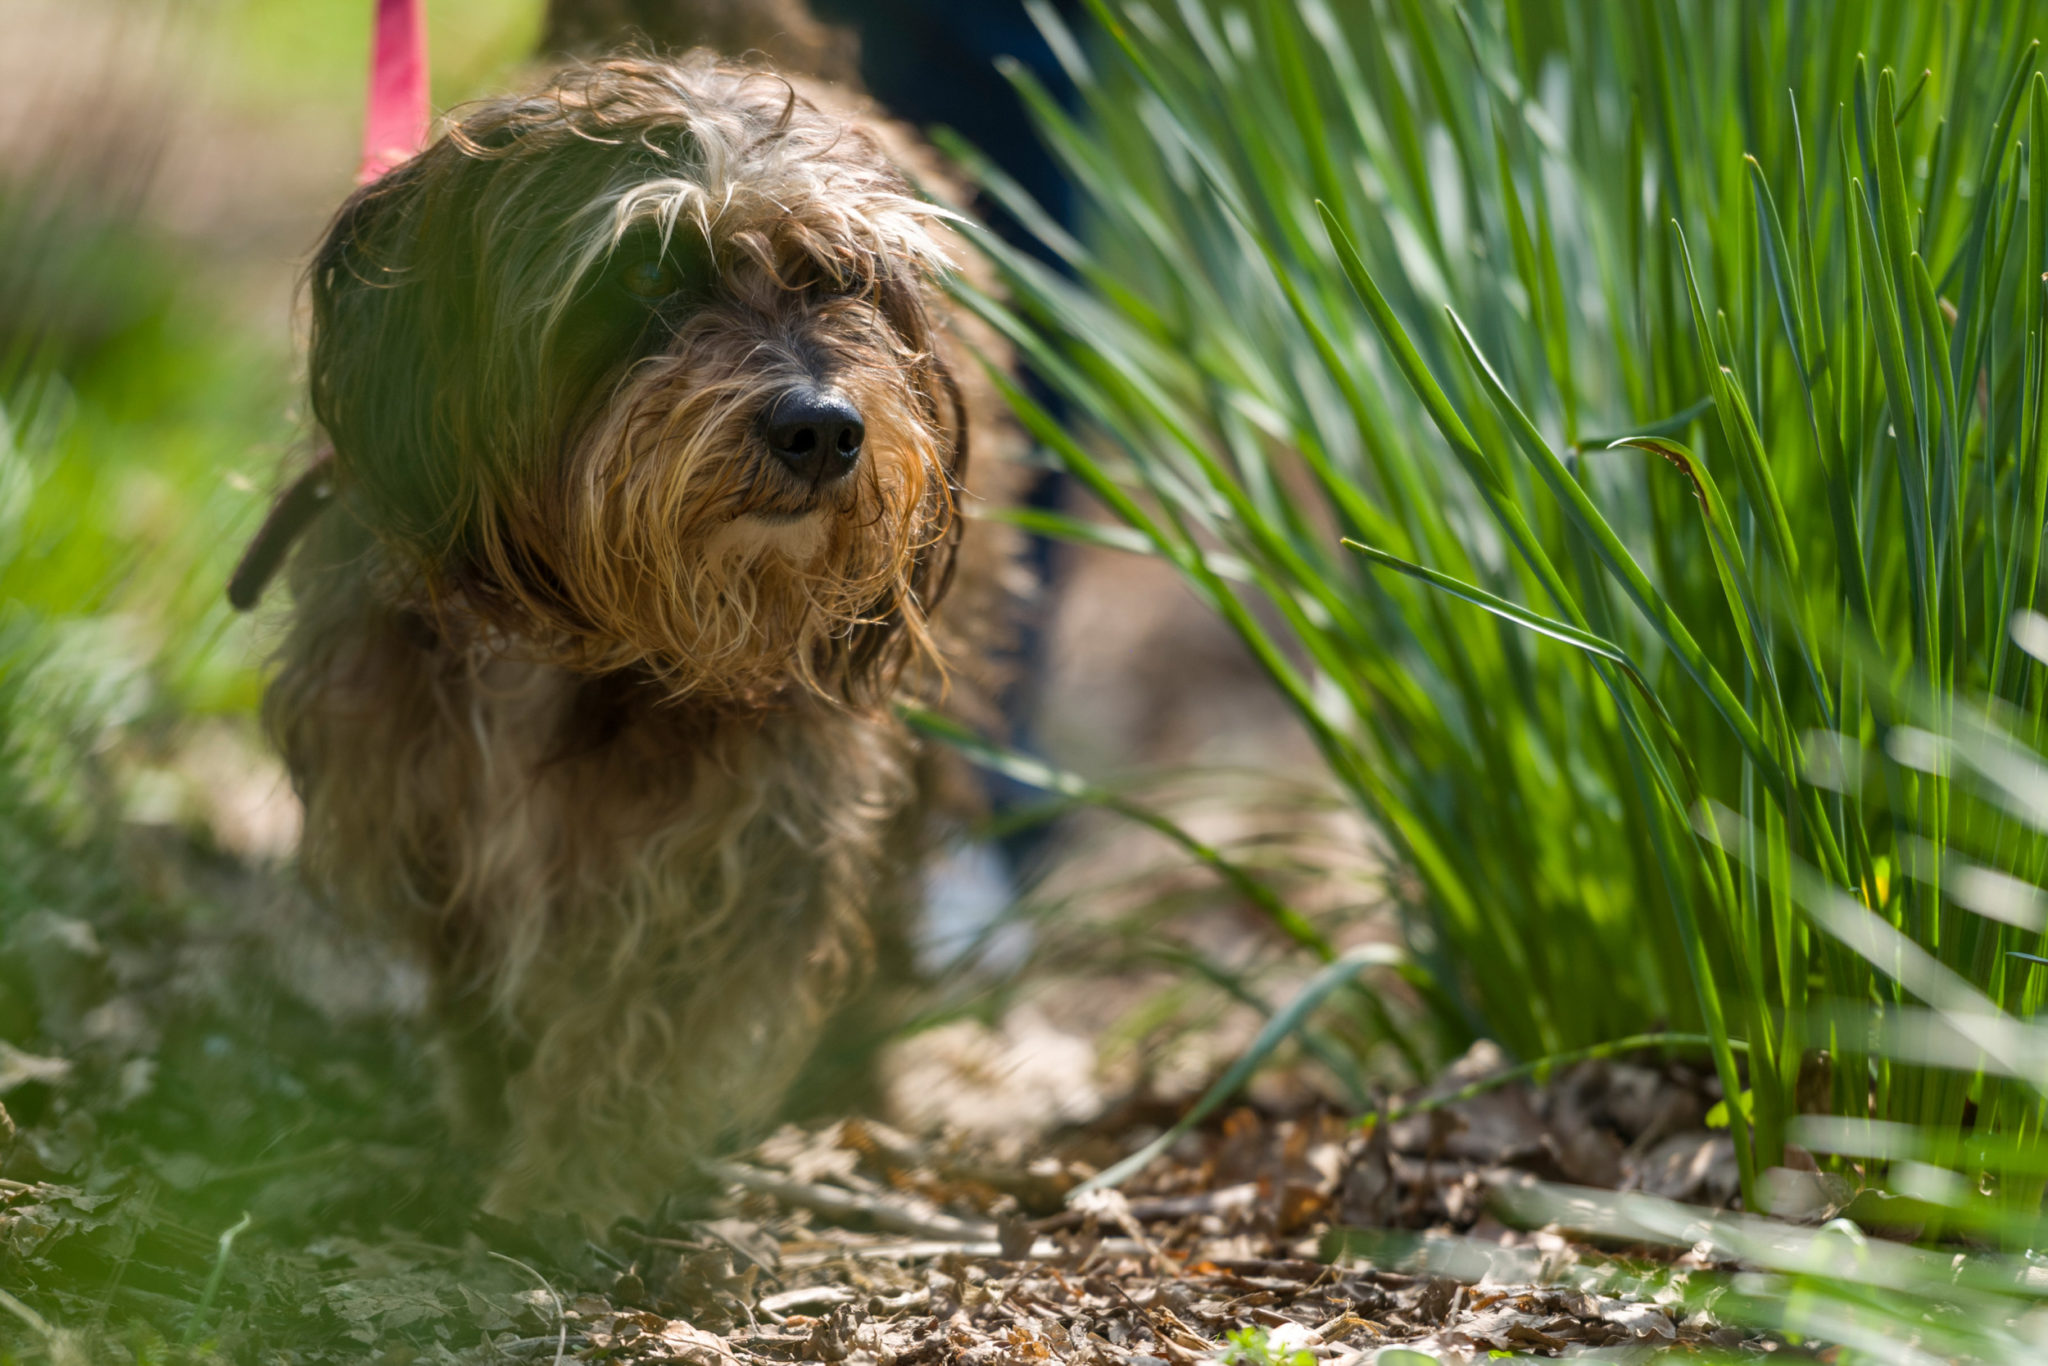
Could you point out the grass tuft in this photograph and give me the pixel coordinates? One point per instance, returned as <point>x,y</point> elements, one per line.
<point>1718,722</point>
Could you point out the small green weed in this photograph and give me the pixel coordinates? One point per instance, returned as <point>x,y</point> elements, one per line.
<point>1254,1347</point>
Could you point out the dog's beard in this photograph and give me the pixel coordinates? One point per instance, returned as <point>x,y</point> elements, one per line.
<point>688,552</point>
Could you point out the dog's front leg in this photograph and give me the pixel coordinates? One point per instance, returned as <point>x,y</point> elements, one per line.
<point>643,1064</point>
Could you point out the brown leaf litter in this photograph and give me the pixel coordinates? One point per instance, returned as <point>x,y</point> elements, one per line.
<point>856,1244</point>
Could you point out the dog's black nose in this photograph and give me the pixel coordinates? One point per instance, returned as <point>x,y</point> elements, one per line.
<point>816,432</point>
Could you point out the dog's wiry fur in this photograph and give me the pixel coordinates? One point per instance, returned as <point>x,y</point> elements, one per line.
<point>588,699</point>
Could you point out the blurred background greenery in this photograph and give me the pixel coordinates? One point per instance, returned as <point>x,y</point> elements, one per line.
<point>163,169</point>
<point>146,306</point>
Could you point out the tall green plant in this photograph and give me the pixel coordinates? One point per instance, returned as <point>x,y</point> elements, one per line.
<point>1676,371</point>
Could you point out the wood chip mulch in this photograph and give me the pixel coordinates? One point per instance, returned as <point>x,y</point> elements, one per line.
<point>1264,1240</point>
<point>855,1244</point>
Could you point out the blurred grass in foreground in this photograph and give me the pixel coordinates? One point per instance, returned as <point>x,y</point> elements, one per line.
<point>132,424</point>
<point>145,405</point>
<point>1676,373</point>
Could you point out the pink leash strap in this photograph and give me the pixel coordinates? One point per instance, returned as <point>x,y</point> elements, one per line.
<point>395,123</point>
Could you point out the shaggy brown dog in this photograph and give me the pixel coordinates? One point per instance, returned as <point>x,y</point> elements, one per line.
<point>645,487</point>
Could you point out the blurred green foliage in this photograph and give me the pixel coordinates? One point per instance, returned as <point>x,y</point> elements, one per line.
<point>148,397</point>
<point>147,405</point>
<point>317,51</point>
<point>144,409</point>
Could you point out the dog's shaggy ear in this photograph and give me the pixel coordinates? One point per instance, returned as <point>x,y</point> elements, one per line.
<point>449,351</point>
<point>383,319</point>
<point>877,649</point>
<point>427,345</point>
<point>934,573</point>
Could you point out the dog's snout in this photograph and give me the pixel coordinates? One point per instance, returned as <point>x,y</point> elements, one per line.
<point>816,433</point>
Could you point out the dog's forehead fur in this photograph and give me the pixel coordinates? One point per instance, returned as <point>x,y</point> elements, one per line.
<point>733,158</point>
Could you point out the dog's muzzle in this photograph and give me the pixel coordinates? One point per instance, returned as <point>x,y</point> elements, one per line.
<point>815,434</point>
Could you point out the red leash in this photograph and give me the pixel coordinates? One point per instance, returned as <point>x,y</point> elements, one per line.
<point>395,123</point>
<point>394,128</point>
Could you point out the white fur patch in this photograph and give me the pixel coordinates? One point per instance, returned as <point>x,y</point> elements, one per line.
<point>749,537</point>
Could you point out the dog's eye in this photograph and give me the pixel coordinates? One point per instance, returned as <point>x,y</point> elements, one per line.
<point>651,279</point>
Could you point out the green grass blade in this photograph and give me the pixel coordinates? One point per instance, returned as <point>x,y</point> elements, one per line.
<point>1276,1031</point>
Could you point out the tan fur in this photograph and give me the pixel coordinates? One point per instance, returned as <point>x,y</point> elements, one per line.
<point>609,749</point>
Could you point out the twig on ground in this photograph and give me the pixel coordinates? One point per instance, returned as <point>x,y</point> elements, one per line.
<point>838,1203</point>
<point>649,1240</point>
<point>780,1306</point>
<point>197,1322</point>
<point>561,1319</point>
<point>27,1315</point>
<point>924,1250</point>
<point>533,1347</point>
<point>1224,1201</point>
